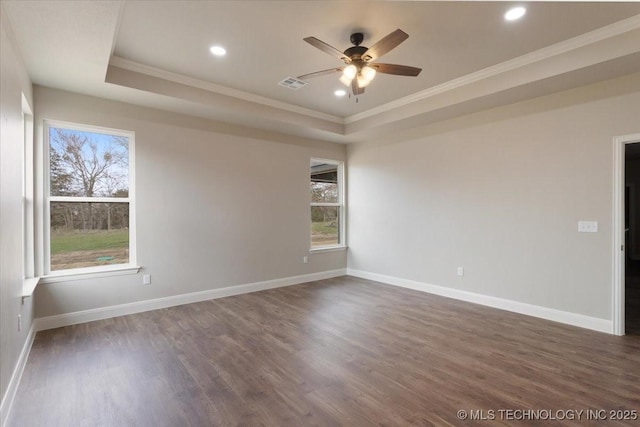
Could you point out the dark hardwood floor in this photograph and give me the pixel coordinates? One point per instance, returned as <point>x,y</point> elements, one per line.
<point>337,352</point>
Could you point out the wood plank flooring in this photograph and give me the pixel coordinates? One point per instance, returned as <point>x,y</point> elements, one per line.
<point>338,352</point>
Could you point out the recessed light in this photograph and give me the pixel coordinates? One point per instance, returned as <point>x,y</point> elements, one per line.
<point>515,13</point>
<point>218,50</point>
<point>340,92</point>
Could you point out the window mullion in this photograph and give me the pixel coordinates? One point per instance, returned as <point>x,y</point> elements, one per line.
<point>326,204</point>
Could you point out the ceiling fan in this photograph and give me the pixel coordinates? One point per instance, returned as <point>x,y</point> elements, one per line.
<point>358,70</point>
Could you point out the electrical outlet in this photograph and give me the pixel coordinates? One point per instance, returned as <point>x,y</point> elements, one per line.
<point>19,322</point>
<point>460,271</point>
<point>305,260</point>
<point>588,226</point>
<point>146,279</point>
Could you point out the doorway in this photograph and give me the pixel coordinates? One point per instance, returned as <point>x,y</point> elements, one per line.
<point>626,280</point>
<point>632,239</point>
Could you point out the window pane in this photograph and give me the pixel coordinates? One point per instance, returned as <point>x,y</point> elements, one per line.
<point>325,226</point>
<point>324,192</point>
<point>89,234</point>
<point>88,164</point>
<point>324,183</point>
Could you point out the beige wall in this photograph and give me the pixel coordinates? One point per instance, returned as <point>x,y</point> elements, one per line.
<point>14,82</point>
<point>217,206</point>
<point>499,193</point>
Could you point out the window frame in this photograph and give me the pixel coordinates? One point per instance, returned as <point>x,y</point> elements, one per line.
<point>100,270</point>
<point>339,204</point>
<point>28,265</point>
<point>28,246</point>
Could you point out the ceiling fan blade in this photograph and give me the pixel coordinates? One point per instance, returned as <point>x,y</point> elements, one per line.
<point>319,73</point>
<point>317,43</point>
<point>357,90</point>
<point>399,70</point>
<point>385,45</point>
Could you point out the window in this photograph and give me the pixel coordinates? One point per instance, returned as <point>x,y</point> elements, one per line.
<point>90,203</point>
<point>327,210</point>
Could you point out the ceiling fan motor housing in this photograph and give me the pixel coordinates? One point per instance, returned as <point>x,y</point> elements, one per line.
<point>356,38</point>
<point>355,52</point>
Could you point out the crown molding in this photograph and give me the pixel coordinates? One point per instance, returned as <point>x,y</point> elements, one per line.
<point>561,48</point>
<point>137,67</point>
<point>600,34</point>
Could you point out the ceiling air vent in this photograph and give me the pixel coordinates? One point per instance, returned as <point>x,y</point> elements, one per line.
<point>293,83</point>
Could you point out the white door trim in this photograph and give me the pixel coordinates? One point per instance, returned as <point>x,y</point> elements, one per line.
<point>619,143</point>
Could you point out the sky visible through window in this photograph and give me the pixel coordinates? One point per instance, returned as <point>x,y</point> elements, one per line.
<point>88,164</point>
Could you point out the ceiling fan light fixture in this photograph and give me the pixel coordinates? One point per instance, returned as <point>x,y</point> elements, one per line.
<point>345,81</point>
<point>350,72</point>
<point>368,72</point>
<point>356,60</point>
<point>362,81</point>
<point>340,92</point>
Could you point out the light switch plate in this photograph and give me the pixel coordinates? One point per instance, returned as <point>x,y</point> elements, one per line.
<point>588,226</point>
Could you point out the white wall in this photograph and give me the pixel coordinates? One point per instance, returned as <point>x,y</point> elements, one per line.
<point>14,82</point>
<point>499,193</point>
<point>217,206</point>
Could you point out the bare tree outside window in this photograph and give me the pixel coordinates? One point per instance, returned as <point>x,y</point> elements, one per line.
<point>88,198</point>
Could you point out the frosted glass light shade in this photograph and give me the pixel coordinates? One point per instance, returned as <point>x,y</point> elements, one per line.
<point>362,81</point>
<point>350,71</point>
<point>368,73</point>
<point>345,81</point>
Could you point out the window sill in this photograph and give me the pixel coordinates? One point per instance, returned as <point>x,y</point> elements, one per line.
<point>29,286</point>
<point>82,275</point>
<point>328,249</point>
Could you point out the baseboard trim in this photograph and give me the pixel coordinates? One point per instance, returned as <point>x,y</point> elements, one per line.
<point>574,319</point>
<point>67,319</point>
<point>12,389</point>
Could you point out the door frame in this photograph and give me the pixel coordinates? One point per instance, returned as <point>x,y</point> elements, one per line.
<point>619,251</point>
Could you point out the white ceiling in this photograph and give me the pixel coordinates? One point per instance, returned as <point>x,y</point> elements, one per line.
<point>155,53</point>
